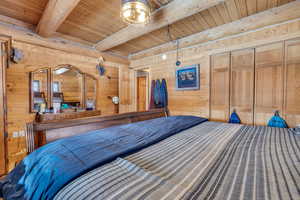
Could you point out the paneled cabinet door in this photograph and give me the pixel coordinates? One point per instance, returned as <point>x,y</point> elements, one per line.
<point>219,94</point>
<point>292,95</point>
<point>242,84</point>
<point>268,82</point>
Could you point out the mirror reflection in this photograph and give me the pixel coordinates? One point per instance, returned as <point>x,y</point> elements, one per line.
<point>90,87</point>
<point>39,90</point>
<point>67,89</point>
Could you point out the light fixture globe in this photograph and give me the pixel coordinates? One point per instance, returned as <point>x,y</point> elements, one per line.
<point>135,11</point>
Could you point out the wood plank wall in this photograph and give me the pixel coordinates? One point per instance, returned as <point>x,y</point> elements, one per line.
<point>292,82</point>
<point>220,90</point>
<point>198,102</point>
<point>36,57</point>
<point>269,75</point>
<point>242,84</point>
<point>3,65</point>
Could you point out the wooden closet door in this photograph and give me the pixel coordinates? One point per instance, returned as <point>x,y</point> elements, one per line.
<point>268,82</point>
<point>242,84</point>
<point>3,57</point>
<point>292,94</point>
<point>141,93</point>
<point>219,93</point>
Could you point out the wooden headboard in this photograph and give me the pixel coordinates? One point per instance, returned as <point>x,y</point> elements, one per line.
<point>41,133</point>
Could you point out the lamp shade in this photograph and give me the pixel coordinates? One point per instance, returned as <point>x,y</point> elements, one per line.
<point>135,11</point>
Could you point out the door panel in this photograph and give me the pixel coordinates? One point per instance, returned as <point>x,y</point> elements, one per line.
<point>142,93</point>
<point>268,82</point>
<point>220,79</point>
<point>242,84</point>
<point>292,95</point>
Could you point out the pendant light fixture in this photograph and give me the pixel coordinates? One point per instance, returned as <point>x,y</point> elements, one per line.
<point>135,11</point>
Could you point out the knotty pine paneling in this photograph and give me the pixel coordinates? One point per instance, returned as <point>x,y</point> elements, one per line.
<point>36,57</point>
<point>3,65</point>
<point>220,84</point>
<point>292,87</point>
<point>268,82</point>
<point>242,84</point>
<point>196,102</point>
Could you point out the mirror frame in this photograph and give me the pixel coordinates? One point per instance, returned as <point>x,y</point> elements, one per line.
<point>50,89</point>
<point>48,99</point>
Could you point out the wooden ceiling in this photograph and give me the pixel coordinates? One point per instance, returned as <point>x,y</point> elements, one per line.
<point>223,13</point>
<point>92,21</point>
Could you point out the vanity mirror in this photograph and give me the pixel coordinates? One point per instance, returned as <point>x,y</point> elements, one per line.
<point>90,92</point>
<point>62,89</point>
<point>39,93</point>
<point>67,89</point>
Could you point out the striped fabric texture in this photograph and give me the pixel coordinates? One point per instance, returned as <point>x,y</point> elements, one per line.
<point>209,161</point>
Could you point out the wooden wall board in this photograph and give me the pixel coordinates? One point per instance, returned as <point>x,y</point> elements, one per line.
<point>3,126</point>
<point>220,87</point>
<point>36,57</point>
<point>197,102</point>
<point>292,82</point>
<point>125,89</point>
<point>242,84</point>
<point>269,79</point>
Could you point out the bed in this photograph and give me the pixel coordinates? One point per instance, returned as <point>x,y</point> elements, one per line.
<point>179,157</point>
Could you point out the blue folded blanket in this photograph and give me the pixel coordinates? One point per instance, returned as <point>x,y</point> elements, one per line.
<point>45,171</point>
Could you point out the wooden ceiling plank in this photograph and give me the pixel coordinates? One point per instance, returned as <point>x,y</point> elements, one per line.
<point>19,23</point>
<point>233,11</point>
<point>242,7</point>
<point>54,15</point>
<point>269,17</point>
<point>193,24</point>
<point>183,28</point>
<point>169,14</point>
<point>216,16</point>
<point>24,34</point>
<point>201,21</point>
<point>222,9</point>
<point>157,3</point>
<point>208,18</point>
<point>28,11</point>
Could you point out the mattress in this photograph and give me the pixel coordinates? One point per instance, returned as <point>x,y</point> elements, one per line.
<point>209,161</point>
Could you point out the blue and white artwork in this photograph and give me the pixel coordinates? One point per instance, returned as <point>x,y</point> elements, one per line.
<point>187,78</point>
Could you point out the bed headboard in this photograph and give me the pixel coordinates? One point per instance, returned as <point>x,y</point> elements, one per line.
<point>41,133</point>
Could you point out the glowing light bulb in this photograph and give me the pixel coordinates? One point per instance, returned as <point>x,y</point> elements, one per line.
<point>142,17</point>
<point>127,13</point>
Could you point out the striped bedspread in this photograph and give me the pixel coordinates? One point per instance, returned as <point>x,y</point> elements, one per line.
<point>209,161</point>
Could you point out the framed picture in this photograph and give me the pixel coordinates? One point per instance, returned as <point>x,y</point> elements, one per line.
<point>187,78</point>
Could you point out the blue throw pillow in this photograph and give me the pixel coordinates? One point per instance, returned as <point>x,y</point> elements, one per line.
<point>277,121</point>
<point>234,118</point>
